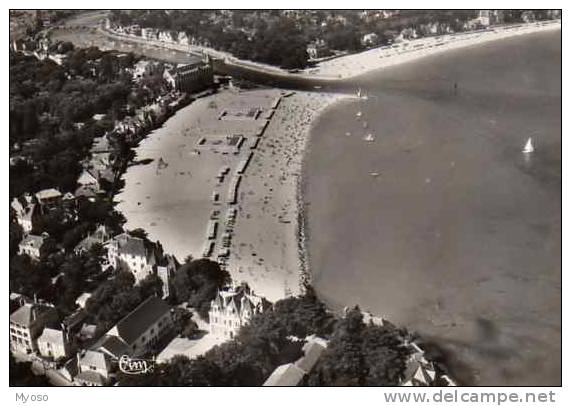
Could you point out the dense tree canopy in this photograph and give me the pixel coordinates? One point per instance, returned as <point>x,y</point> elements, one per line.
<point>197,283</point>
<point>117,297</point>
<point>51,110</point>
<point>360,355</point>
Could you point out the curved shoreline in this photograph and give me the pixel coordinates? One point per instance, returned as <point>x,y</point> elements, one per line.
<point>353,65</point>
<point>303,232</point>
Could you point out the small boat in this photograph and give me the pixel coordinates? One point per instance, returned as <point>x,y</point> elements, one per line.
<point>369,138</point>
<point>348,134</point>
<point>528,149</point>
<point>359,113</point>
<point>374,174</point>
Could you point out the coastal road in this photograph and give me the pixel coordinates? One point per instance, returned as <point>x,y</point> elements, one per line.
<point>83,30</point>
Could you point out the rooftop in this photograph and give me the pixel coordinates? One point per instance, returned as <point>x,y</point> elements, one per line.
<point>285,375</point>
<point>48,194</point>
<point>112,346</point>
<point>28,314</point>
<point>92,358</point>
<point>34,241</point>
<point>132,326</point>
<point>52,336</point>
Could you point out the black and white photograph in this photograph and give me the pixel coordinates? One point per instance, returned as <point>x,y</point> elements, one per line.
<point>274,197</point>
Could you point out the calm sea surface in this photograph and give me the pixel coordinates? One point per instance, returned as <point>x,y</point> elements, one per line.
<point>459,235</point>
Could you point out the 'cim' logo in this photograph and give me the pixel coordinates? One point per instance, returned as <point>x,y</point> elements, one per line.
<point>135,366</point>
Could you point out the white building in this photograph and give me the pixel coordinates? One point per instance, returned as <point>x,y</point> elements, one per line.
<point>142,329</point>
<point>370,39</point>
<point>192,77</point>
<point>26,325</point>
<point>33,245</point>
<point>49,197</point>
<point>233,308</point>
<point>93,369</point>
<point>26,211</point>
<point>53,344</point>
<point>134,254</point>
<point>165,271</point>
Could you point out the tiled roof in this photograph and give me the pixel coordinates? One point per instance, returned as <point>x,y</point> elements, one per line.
<point>51,335</point>
<point>28,314</point>
<point>112,345</point>
<point>132,326</point>
<point>48,194</point>
<point>93,358</point>
<point>91,377</point>
<point>34,241</point>
<point>133,246</point>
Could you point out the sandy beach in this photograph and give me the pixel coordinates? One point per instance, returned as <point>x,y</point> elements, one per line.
<point>358,64</point>
<point>350,66</point>
<point>265,251</point>
<point>172,196</point>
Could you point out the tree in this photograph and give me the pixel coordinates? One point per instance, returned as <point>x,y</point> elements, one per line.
<point>304,315</point>
<point>198,282</point>
<point>180,371</point>
<point>21,374</point>
<point>360,354</point>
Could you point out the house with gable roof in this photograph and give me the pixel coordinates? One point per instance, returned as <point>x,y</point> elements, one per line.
<point>143,328</point>
<point>137,255</point>
<point>26,325</point>
<point>49,197</point>
<point>93,369</point>
<point>54,344</point>
<point>34,246</point>
<point>233,308</point>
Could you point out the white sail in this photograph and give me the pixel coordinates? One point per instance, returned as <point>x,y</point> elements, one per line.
<point>528,147</point>
<point>359,114</point>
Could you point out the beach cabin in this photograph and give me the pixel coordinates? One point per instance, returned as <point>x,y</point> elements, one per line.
<point>215,197</point>
<point>244,164</point>
<point>211,231</point>
<point>233,189</point>
<point>208,249</point>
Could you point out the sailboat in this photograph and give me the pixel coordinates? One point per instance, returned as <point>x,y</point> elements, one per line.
<point>369,138</point>
<point>359,93</point>
<point>528,149</point>
<point>359,113</point>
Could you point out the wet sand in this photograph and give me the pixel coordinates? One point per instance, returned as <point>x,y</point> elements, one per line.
<point>459,235</point>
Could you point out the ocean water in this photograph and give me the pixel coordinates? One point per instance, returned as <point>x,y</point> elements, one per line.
<point>459,235</point>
